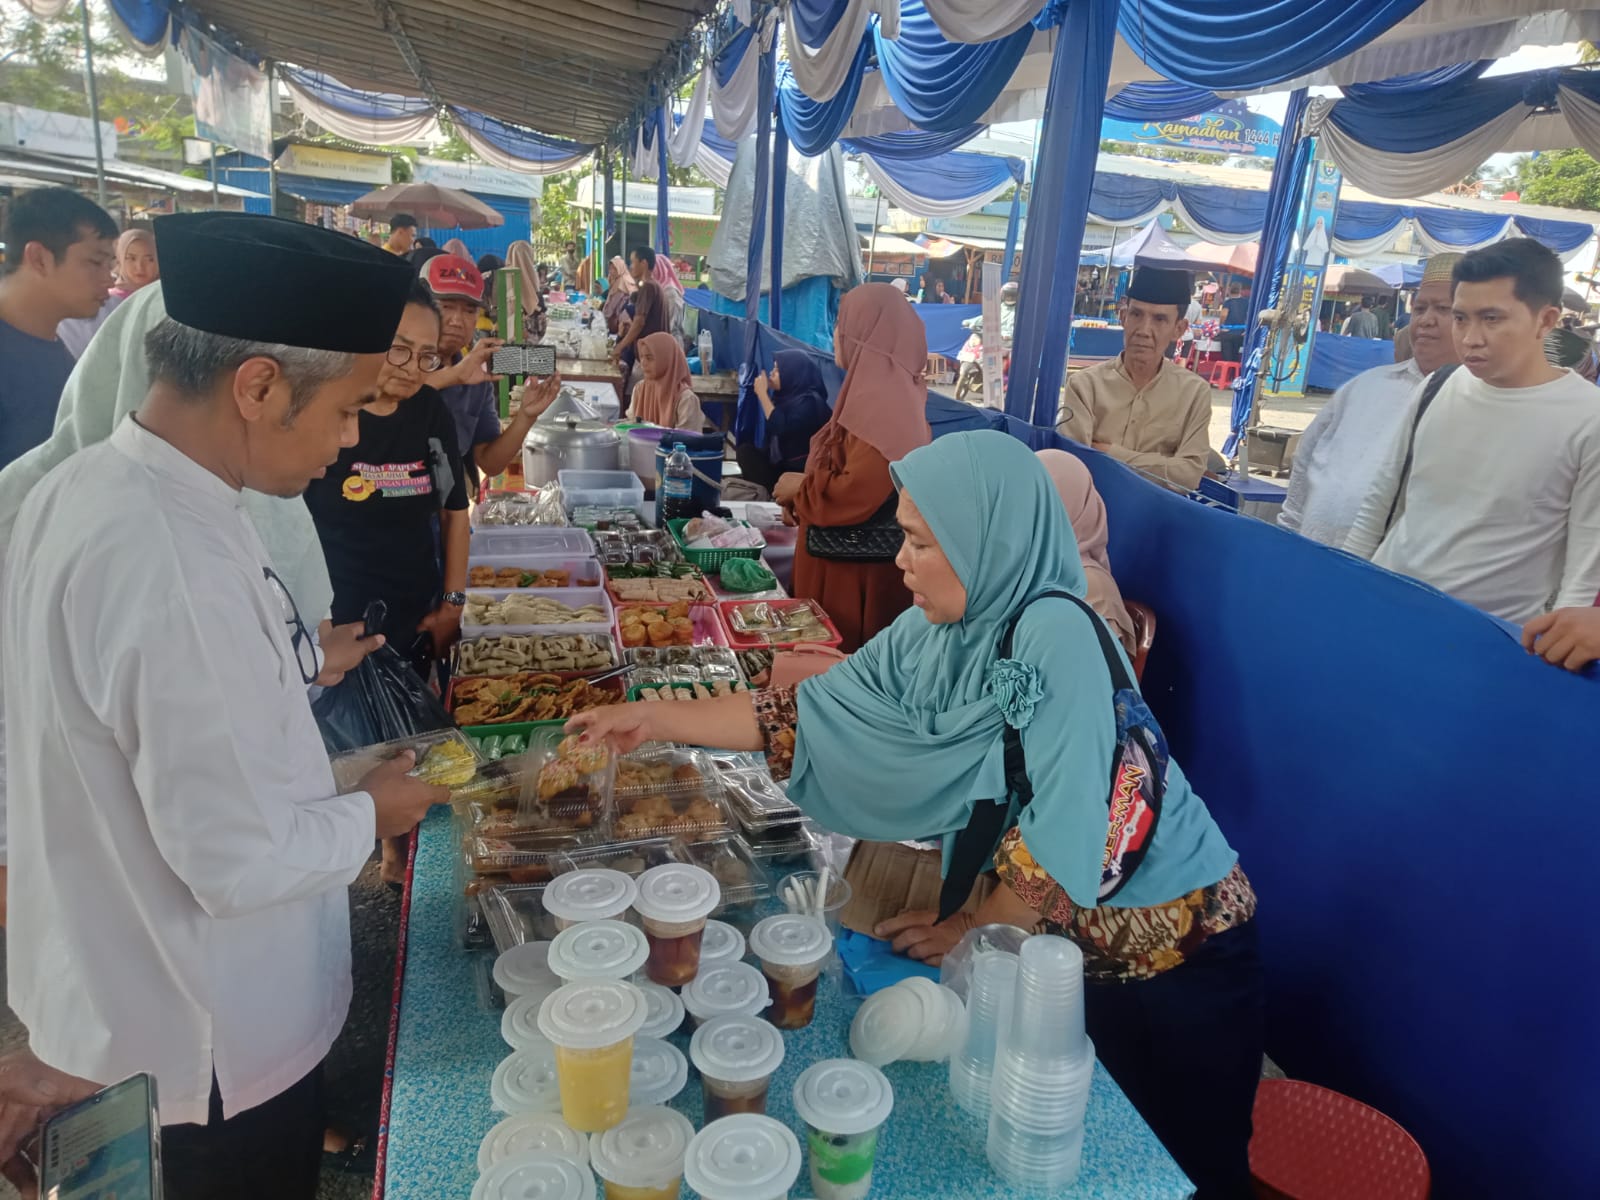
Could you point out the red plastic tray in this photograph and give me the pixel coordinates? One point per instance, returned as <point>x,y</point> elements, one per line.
<point>708,625</point>
<point>757,641</point>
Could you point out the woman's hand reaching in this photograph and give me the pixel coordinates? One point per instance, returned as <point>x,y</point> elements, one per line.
<point>625,727</point>
<point>919,934</point>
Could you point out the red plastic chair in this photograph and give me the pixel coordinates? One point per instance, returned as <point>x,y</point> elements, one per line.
<point>1223,374</point>
<point>1314,1144</point>
<point>1144,633</point>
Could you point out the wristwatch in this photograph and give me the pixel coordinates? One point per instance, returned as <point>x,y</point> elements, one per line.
<point>459,599</point>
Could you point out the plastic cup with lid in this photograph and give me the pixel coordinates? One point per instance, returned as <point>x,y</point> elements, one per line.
<point>523,969</point>
<point>844,1104</point>
<point>720,943</point>
<point>736,1058</point>
<point>743,1157</point>
<point>793,949</point>
<point>594,894</point>
<point>530,1133</point>
<point>519,1024</point>
<point>733,989</point>
<point>540,1174</point>
<point>673,903</point>
<point>598,950</point>
<point>592,1024</point>
<point>642,1158</point>
<point>659,1073</point>
<point>664,1010</point>
<point>525,1081</point>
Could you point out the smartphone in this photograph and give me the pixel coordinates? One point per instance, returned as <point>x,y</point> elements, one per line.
<point>523,359</point>
<point>106,1146</point>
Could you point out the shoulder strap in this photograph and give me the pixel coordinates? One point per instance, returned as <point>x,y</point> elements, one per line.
<point>974,846</point>
<point>1435,382</point>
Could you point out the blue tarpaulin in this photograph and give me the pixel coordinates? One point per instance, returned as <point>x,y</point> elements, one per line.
<point>1336,359</point>
<point>942,322</point>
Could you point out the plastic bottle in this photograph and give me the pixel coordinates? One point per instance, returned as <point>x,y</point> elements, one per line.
<point>677,485</point>
<point>705,348</point>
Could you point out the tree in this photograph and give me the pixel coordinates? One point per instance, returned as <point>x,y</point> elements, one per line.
<point>1564,178</point>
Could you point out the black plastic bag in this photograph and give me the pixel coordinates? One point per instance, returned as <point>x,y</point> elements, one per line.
<point>380,700</point>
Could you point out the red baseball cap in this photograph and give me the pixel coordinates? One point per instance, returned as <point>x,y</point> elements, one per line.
<point>451,277</point>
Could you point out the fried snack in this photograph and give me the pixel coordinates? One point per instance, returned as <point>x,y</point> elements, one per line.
<point>515,698</point>
<point>528,610</point>
<point>658,591</point>
<point>656,625</point>
<point>521,577</point>
<point>656,797</point>
<point>515,653</point>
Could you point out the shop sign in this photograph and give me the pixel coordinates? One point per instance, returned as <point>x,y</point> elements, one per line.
<point>1232,131</point>
<point>327,162</point>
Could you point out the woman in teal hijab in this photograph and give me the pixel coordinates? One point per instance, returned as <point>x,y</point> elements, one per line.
<point>906,739</point>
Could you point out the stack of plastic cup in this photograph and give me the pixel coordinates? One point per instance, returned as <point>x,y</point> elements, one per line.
<point>543,1174</point>
<point>793,949</point>
<point>663,1009</point>
<point>525,1082</point>
<point>736,1058</point>
<point>642,1158</point>
<point>733,989</point>
<point>743,1157</point>
<point>523,969</point>
<point>844,1104</point>
<point>531,1133</point>
<point>598,950</point>
<point>1040,1087</point>
<point>720,943</point>
<point>597,894</point>
<point>990,990</point>
<point>673,903</point>
<point>519,1024</point>
<point>659,1073</point>
<point>592,1025</point>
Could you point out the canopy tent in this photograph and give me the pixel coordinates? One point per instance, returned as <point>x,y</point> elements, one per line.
<point>1152,246</point>
<point>1353,281</point>
<point>1400,275</point>
<point>1237,259</point>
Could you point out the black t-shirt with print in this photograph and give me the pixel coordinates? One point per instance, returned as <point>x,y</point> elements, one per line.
<point>376,511</point>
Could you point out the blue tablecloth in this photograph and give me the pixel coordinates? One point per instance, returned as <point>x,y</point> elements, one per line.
<point>1096,341</point>
<point>448,1047</point>
<point>1336,358</point>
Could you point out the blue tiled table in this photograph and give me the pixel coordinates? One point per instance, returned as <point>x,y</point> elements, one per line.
<point>447,1048</point>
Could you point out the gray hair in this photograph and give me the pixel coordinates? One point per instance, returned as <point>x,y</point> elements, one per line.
<point>191,361</point>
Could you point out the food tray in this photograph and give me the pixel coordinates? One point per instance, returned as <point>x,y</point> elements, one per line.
<point>756,666</point>
<point>704,628</point>
<point>631,858</point>
<point>602,489</point>
<point>687,691</point>
<point>514,509</point>
<point>515,698</point>
<point>655,570</point>
<point>710,560</point>
<point>742,879</point>
<point>636,547</point>
<point>660,591</point>
<point>513,654</point>
<point>568,597</point>
<point>761,806</point>
<point>685,656</point>
<point>516,914</point>
<point>559,803</point>
<point>668,793</point>
<point>453,754</point>
<point>495,742</point>
<point>530,539</point>
<point>582,572</point>
<point>742,638</point>
<point>603,518</point>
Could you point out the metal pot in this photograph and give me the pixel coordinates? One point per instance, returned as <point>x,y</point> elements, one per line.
<point>568,444</point>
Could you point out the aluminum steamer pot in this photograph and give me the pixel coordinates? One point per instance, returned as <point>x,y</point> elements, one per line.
<point>568,444</point>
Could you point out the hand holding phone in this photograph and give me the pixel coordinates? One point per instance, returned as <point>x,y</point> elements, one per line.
<point>523,359</point>
<point>107,1143</point>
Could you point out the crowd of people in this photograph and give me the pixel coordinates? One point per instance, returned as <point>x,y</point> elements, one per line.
<point>196,525</point>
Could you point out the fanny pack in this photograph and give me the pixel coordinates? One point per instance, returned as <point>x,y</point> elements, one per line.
<point>1133,800</point>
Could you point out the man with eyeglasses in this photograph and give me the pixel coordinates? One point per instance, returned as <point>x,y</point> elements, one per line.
<point>179,851</point>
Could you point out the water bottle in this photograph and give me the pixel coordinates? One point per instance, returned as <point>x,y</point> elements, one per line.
<point>704,344</point>
<point>677,486</point>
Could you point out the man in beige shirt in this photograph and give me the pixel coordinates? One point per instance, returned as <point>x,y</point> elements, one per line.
<point>1140,406</point>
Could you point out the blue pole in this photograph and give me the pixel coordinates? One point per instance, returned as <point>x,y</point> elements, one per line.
<point>1013,225</point>
<point>765,91</point>
<point>663,240</point>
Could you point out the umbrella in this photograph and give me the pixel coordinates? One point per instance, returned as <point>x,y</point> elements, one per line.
<point>432,205</point>
<point>1346,280</point>
<point>1240,259</point>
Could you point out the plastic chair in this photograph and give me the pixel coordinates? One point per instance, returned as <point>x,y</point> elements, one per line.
<point>1223,374</point>
<point>1144,633</point>
<point>1314,1144</point>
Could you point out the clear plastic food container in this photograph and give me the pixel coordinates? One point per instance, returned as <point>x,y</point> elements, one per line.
<point>666,792</point>
<point>560,653</point>
<point>446,757</point>
<point>753,624</point>
<point>530,539</point>
<point>729,860</point>
<point>519,571</point>
<point>556,612</point>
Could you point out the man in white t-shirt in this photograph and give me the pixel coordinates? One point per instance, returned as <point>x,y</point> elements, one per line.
<point>1339,455</point>
<point>1495,496</point>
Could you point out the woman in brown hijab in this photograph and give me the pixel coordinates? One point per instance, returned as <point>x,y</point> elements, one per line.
<point>879,417</point>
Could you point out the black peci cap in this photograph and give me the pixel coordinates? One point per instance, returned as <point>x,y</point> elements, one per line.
<point>266,279</point>
<point>1159,285</point>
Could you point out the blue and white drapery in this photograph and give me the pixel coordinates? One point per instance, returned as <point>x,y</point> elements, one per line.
<point>735,75</point>
<point>1289,178</point>
<point>1070,137</point>
<point>148,23</point>
<point>822,40</point>
<point>376,118</point>
<point>941,85</point>
<point>1161,100</point>
<point>814,125</point>
<point>515,147</point>
<point>945,185</point>
<point>1229,47</point>
<point>1408,141</point>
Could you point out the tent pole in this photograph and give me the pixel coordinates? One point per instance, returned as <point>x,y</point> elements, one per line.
<point>872,243</point>
<point>94,106</point>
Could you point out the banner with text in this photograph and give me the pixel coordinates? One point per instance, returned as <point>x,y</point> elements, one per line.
<point>232,105</point>
<point>1231,129</point>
